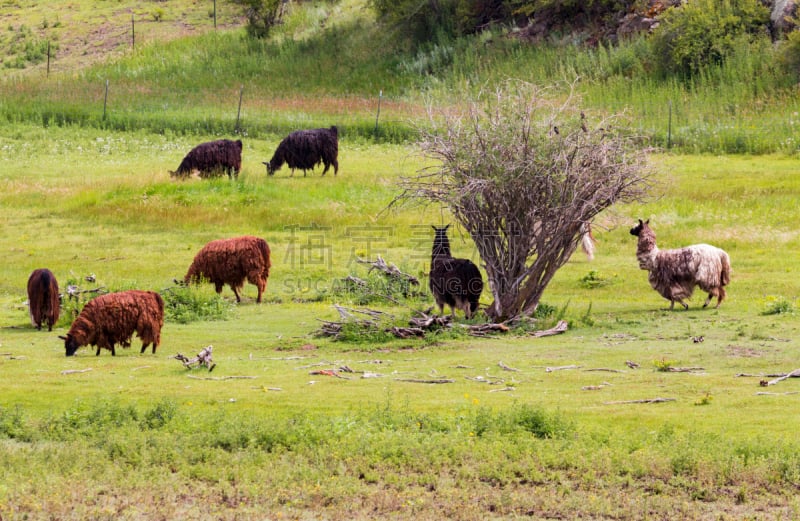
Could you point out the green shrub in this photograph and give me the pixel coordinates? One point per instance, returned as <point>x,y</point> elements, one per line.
<point>705,32</point>
<point>262,15</point>
<point>185,304</point>
<point>789,54</point>
<point>777,305</point>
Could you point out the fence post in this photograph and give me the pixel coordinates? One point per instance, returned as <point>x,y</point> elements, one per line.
<point>239,111</point>
<point>669,127</point>
<point>48,58</point>
<point>378,115</point>
<point>133,32</point>
<point>215,14</point>
<point>105,101</point>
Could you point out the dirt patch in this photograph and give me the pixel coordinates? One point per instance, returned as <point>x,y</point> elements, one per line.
<point>743,352</point>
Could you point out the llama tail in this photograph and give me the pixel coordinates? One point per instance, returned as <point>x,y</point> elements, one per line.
<point>725,274</point>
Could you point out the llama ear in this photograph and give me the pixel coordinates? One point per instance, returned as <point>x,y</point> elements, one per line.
<point>62,337</point>
<point>434,227</point>
<point>647,221</point>
<point>446,227</point>
<point>640,222</point>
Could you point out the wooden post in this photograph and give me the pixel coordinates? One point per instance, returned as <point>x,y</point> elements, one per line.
<point>215,14</point>
<point>133,32</point>
<point>378,115</point>
<point>669,127</point>
<point>105,101</point>
<point>48,58</point>
<point>239,111</point>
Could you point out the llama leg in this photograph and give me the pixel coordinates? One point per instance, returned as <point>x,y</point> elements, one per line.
<point>720,297</point>
<point>144,347</point>
<point>236,292</point>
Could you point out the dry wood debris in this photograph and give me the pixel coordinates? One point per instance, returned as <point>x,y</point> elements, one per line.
<point>767,383</point>
<point>203,358</point>
<point>648,400</point>
<point>390,270</point>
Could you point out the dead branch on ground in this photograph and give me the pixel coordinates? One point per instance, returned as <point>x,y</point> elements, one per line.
<point>557,329</point>
<point>561,368</point>
<point>793,374</point>
<point>422,381</point>
<point>390,270</point>
<point>202,358</point>
<point>74,371</point>
<point>649,400</point>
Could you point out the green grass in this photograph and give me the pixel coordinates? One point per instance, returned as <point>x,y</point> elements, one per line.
<point>328,62</point>
<point>134,436</point>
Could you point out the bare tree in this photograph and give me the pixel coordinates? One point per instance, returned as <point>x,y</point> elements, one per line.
<point>524,176</point>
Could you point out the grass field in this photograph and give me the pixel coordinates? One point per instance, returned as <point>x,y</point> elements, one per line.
<point>134,436</point>
<point>537,428</point>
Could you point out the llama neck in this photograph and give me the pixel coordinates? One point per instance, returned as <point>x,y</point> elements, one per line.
<point>646,251</point>
<point>441,248</point>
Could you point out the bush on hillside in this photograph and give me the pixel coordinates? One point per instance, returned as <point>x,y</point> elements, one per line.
<point>705,32</point>
<point>262,15</point>
<point>789,54</point>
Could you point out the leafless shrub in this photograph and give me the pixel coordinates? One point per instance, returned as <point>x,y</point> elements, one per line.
<point>523,175</point>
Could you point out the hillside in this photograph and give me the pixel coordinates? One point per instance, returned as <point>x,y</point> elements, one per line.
<point>86,32</point>
<point>331,62</point>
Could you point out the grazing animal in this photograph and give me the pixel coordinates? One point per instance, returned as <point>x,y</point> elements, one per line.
<point>113,318</point>
<point>43,299</point>
<point>455,282</point>
<point>211,159</point>
<point>305,149</point>
<point>231,261</point>
<point>675,273</point>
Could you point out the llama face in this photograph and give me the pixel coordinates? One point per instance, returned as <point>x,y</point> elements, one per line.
<point>70,344</point>
<point>636,230</point>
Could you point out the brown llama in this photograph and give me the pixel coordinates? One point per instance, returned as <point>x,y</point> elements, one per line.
<point>43,299</point>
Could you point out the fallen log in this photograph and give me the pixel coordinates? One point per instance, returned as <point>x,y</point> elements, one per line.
<point>407,332</point>
<point>793,374</point>
<point>485,329</point>
<point>648,400</point>
<point>556,330</point>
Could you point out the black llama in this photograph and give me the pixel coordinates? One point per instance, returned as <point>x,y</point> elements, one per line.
<point>455,282</point>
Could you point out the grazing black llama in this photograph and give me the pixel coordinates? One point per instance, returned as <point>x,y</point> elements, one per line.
<point>211,159</point>
<point>675,273</point>
<point>455,282</point>
<point>305,149</point>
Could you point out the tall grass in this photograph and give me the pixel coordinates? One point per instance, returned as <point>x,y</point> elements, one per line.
<point>329,62</point>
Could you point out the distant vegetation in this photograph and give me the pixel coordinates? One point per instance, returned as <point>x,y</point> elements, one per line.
<point>328,63</point>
